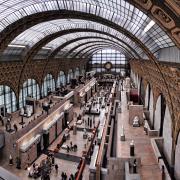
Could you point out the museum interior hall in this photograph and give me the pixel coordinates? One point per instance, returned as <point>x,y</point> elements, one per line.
<point>90,89</point>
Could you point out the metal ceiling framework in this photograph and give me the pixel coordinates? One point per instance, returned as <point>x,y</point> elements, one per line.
<point>92,50</point>
<point>81,24</point>
<point>91,35</point>
<point>13,11</point>
<point>115,14</point>
<point>33,51</point>
<point>81,48</point>
<point>122,50</point>
<point>127,52</point>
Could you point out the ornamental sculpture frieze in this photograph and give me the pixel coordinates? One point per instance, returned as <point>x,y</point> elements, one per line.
<point>162,17</point>
<point>176,35</point>
<point>174,5</point>
<point>146,4</point>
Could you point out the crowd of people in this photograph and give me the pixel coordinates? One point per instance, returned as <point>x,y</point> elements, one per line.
<point>43,169</point>
<point>71,147</point>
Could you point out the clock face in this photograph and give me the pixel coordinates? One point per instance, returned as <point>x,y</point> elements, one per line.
<point>108,65</point>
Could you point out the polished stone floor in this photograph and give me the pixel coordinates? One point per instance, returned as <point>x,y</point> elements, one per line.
<point>143,149</point>
<point>148,171</point>
<point>64,166</point>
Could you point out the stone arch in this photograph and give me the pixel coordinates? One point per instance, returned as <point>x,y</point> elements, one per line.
<point>159,113</point>
<point>177,158</point>
<point>8,103</point>
<point>9,84</point>
<point>63,81</point>
<point>167,135</point>
<point>151,107</point>
<point>147,95</point>
<point>48,84</point>
<point>28,89</point>
<point>31,77</point>
<point>141,91</point>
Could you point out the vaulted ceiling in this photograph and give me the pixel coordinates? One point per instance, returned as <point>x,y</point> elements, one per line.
<point>78,28</point>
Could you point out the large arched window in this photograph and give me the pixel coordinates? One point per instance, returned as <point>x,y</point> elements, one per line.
<point>7,98</point>
<point>48,84</point>
<point>114,57</point>
<point>76,73</point>
<point>31,89</point>
<point>70,76</point>
<point>61,79</point>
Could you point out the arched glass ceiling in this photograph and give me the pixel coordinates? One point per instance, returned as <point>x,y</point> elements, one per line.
<point>40,31</point>
<point>119,12</point>
<point>85,42</point>
<point>58,41</point>
<point>83,48</point>
<point>85,52</point>
<point>63,39</point>
<point>91,50</point>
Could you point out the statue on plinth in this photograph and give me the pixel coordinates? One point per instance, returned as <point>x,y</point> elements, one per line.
<point>85,135</point>
<point>136,122</point>
<point>132,148</point>
<point>122,134</point>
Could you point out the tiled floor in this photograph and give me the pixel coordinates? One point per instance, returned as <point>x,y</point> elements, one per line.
<point>81,143</point>
<point>143,149</point>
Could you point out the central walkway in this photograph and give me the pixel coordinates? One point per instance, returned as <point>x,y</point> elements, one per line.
<point>149,169</point>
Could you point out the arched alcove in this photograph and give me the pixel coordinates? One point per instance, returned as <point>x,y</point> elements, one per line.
<point>70,75</point>
<point>61,79</point>
<point>147,95</point>
<point>7,100</point>
<point>137,77</point>
<point>167,135</point>
<point>48,84</point>
<point>177,159</point>
<point>151,110</point>
<point>159,114</point>
<point>77,72</point>
<point>30,88</point>
<point>83,71</point>
<point>141,92</point>
<point>138,84</point>
<point>134,78</point>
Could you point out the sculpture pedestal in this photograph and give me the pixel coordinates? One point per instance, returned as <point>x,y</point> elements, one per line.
<point>131,150</point>
<point>122,137</point>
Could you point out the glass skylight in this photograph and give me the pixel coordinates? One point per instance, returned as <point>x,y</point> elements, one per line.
<point>149,26</point>
<point>96,38</point>
<point>120,12</point>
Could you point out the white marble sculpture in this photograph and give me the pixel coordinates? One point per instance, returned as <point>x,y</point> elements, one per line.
<point>136,121</point>
<point>127,82</point>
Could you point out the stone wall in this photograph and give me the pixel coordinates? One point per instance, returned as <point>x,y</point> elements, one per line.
<point>14,74</point>
<point>163,78</point>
